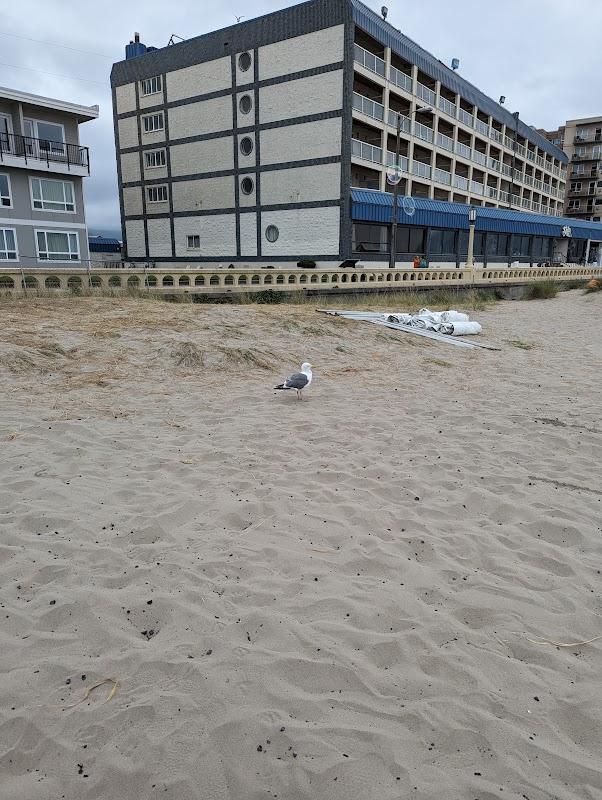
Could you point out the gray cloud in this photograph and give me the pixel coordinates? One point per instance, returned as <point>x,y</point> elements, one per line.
<point>518,48</point>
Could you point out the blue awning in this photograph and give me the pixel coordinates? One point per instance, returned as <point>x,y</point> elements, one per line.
<point>368,205</point>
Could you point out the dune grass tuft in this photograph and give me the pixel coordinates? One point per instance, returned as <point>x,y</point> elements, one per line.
<point>542,290</point>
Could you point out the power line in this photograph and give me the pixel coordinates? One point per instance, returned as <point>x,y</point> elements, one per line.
<point>54,44</point>
<point>54,74</point>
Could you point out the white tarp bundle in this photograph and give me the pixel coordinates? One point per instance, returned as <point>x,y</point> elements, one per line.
<point>451,323</point>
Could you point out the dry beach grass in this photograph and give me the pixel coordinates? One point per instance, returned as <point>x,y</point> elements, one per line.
<point>212,592</point>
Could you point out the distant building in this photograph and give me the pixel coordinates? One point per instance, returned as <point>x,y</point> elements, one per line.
<point>258,143</point>
<point>104,249</point>
<point>581,140</point>
<point>42,165</point>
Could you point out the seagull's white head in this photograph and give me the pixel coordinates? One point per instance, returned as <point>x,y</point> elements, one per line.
<point>306,367</point>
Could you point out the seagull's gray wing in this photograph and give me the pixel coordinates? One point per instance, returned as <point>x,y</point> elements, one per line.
<point>297,381</point>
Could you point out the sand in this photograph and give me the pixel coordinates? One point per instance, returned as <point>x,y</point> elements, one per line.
<point>321,599</point>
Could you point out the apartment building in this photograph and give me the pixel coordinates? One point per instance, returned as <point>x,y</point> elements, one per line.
<point>581,140</point>
<point>247,143</point>
<point>42,166</point>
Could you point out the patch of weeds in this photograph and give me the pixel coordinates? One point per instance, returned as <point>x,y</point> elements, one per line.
<point>520,344</point>
<point>437,362</point>
<point>341,349</point>
<point>541,290</point>
<point>187,354</point>
<point>239,355</point>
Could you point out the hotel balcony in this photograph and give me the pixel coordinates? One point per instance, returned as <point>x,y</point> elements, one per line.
<point>43,155</point>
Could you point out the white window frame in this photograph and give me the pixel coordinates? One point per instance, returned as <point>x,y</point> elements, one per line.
<point>150,189</point>
<point>146,117</point>
<point>67,233</point>
<point>8,132</point>
<point>51,210</point>
<point>147,85</point>
<point>35,122</point>
<point>10,192</point>
<point>573,204</point>
<point>148,153</point>
<point>193,246</point>
<point>10,260</point>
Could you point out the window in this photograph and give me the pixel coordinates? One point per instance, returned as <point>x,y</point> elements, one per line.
<point>51,136</point>
<point>442,242</point>
<point>542,247</point>
<point>193,242</point>
<point>245,104</point>
<point>246,146</point>
<point>5,196</point>
<point>370,238</point>
<point>57,246</point>
<point>156,194</point>
<point>8,244</point>
<point>478,246</point>
<point>575,186</point>
<point>272,233</point>
<point>153,122</point>
<point>574,204</point>
<point>49,195</point>
<point>410,240</point>
<point>244,61</point>
<point>247,185</point>
<point>497,244</point>
<point>155,158</point>
<point>520,245</point>
<point>6,129</point>
<point>151,85</point>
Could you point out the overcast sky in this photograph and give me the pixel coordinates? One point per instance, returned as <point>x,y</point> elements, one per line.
<point>520,48</point>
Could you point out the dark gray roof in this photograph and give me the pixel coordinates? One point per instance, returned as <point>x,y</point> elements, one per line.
<point>386,34</point>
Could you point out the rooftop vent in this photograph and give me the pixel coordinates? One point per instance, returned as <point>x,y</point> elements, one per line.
<point>135,48</point>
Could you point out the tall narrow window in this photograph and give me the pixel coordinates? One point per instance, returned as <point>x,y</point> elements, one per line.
<point>8,244</point>
<point>152,85</point>
<point>5,195</point>
<point>49,195</point>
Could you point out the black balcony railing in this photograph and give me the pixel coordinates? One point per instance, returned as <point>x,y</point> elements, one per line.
<point>28,148</point>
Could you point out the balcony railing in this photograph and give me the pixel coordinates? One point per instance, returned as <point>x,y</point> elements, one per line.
<point>400,79</point>
<point>402,162</point>
<point>477,188</point>
<point>507,170</point>
<point>491,191</point>
<point>445,142</point>
<point>504,197</point>
<point>494,164</point>
<point>368,152</point>
<point>448,107</point>
<point>369,60</point>
<point>463,150</point>
<point>530,155</point>
<point>460,182</point>
<point>481,127</point>
<point>442,176</point>
<point>426,94</point>
<point>421,169</point>
<point>465,117</point>
<point>30,149</point>
<point>423,132</point>
<point>406,125</point>
<point>495,135</point>
<point>368,107</point>
<point>479,158</point>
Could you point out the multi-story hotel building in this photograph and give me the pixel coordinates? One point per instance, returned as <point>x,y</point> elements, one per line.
<point>256,143</point>
<point>42,166</point>
<point>581,140</point>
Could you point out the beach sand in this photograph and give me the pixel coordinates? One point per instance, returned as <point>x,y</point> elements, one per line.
<point>324,599</point>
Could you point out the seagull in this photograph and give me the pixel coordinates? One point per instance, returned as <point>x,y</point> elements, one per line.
<point>299,380</point>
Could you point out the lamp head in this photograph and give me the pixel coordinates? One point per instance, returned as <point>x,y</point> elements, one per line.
<point>472,215</point>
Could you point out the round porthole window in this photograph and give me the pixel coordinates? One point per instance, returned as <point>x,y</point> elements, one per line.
<point>247,185</point>
<point>272,233</point>
<point>244,61</point>
<point>246,146</point>
<point>246,104</point>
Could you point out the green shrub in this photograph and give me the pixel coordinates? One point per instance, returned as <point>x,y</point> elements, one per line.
<point>542,290</point>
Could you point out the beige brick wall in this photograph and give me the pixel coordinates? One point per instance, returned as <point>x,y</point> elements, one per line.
<point>302,97</point>
<point>134,232</point>
<point>148,100</point>
<point>294,225</point>
<point>157,208</point>
<point>130,167</point>
<point>195,119</point>
<point>248,234</point>
<point>301,184</point>
<point>159,238</point>
<point>125,98</point>
<point>311,140</point>
<point>208,193</point>
<point>301,53</point>
<point>128,132</point>
<point>207,156</point>
<point>217,233</point>
<point>132,201</point>
<point>212,76</point>
<point>154,173</point>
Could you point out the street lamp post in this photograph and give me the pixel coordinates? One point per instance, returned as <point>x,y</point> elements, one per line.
<point>472,218</point>
<point>393,243</point>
